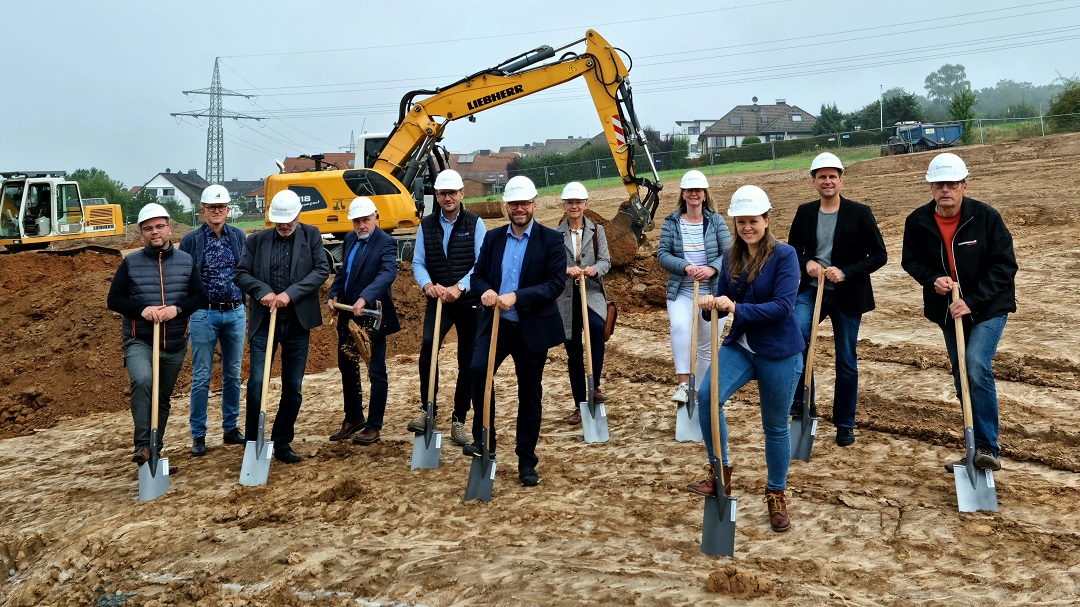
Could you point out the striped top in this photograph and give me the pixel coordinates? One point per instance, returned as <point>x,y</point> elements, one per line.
<point>693,249</point>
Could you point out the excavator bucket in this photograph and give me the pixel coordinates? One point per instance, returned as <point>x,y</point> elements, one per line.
<point>488,209</point>
<point>622,239</point>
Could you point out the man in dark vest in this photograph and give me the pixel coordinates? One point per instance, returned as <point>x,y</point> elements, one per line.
<point>447,244</point>
<point>158,284</point>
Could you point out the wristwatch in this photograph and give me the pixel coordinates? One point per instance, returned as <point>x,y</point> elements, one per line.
<point>179,310</point>
<point>461,287</point>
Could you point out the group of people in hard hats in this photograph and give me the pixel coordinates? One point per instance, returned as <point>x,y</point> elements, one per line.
<point>769,289</point>
<point>527,273</point>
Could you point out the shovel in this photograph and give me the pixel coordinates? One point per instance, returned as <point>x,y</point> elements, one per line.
<point>804,428</point>
<point>593,414</point>
<point>974,487</point>
<point>427,446</point>
<point>154,472</point>
<point>718,524</point>
<point>482,471</point>
<point>255,469</point>
<point>377,313</point>
<point>687,427</point>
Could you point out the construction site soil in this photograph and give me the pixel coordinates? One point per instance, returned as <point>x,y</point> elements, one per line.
<point>875,523</point>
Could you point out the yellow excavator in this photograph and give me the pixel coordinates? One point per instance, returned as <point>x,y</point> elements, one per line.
<point>39,208</point>
<point>410,158</point>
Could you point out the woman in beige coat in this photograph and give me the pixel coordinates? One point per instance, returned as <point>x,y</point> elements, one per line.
<point>587,259</point>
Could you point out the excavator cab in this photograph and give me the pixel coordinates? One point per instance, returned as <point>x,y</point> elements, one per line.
<point>41,207</point>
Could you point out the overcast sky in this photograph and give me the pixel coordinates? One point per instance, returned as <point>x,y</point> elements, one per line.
<point>93,83</point>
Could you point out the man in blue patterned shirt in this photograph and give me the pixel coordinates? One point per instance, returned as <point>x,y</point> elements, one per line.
<point>216,248</point>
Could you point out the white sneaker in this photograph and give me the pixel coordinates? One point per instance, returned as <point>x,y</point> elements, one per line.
<point>682,393</point>
<point>457,434</point>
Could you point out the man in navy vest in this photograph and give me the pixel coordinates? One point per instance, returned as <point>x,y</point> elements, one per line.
<point>158,284</point>
<point>522,270</point>
<point>215,248</point>
<point>366,276</point>
<point>447,244</point>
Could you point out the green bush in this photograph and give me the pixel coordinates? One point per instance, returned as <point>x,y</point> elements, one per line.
<point>749,139</point>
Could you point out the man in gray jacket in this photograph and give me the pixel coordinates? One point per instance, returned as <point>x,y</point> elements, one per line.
<point>282,267</point>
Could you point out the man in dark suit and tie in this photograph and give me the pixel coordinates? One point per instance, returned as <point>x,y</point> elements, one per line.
<point>281,267</point>
<point>522,270</point>
<point>369,269</point>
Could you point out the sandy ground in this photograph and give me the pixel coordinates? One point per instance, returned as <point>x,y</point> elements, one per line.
<point>610,524</point>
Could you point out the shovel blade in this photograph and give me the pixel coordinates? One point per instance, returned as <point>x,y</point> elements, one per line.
<point>594,422</point>
<point>426,449</point>
<point>481,478</point>
<point>802,433</point>
<point>153,479</point>
<point>975,489</point>
<point>718,526</point>
<point>687,427</point>
<point>255,470</point>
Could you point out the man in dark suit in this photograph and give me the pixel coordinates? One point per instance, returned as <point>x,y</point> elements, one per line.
<point>281,267</point>
<point>522,270</point>
<point>369,269</point>
<point>838,241</point>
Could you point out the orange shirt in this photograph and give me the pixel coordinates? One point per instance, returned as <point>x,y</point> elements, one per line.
<point>948,226</point>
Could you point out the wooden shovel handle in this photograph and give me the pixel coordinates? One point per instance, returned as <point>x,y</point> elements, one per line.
<point>694,314</point>
<point>490,373</point>
<point>714,390</point>
<point>435,347</point>
<point>268,359</point>
<point>808,376</point>
<point>155,386</point>
<point>585,326</point>
<point>961,360</point>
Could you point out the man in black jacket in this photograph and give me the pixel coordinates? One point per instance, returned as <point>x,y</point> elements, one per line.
<point>838,241</point>
<point>158,284</point>
<point>954,239</point>
<point>522,270</point>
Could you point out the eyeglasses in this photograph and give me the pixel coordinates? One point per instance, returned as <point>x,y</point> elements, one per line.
<point>156,228</point>
<point>446,194</point>
<point>518,205</point>
<point>574,203</point>
<point>952,185</point>
<point>216,208</point>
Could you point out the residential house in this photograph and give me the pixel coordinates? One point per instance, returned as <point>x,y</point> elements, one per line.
<point>767,122</point>
<point>550,146</point>
<point>330,161</point>
<point>484,172</point>
<point>692,129</point>
<point>247,196</point>
<point>185,188</point>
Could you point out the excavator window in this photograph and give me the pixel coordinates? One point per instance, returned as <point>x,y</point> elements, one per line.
<point>369,183</point>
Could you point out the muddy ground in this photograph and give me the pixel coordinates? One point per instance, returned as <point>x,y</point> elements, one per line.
<point>872,524</point>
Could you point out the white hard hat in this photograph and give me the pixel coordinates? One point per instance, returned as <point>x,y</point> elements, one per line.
<point>361,206</point>
<point>151,211</point>
<point>694,180</point>
<point>285,207</point>
<point>519,189</point>
<point>749,201</point>
<point>216,194</point>
<point>826,160</point>
<point>449,180</point>
<point>575,191</point>
<point>946,167</point>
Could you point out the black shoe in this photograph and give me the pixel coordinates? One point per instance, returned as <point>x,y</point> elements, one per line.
<point>233,437</point>
<point>287,455</point>
<point>198,446</point>
<point>845,436</point>
<point>475,451</point>
<point>528,476</point>
<point>796,410</point>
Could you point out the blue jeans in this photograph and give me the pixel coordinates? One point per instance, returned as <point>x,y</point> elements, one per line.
<point>293,339</point>
<point>208,327</point>
<point>348,360</point>
<point>139,360</point>
<point>981,340</point>
<point>776,378</point>
<point>845,337</point>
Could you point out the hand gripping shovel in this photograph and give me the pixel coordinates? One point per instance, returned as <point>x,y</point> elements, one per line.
<point>974,487</point>
<point>154,472</point>
<point>427,446</point>
<point>718,524</point>
<point>687,427</point>
<point>255,470</point>
<point>482,471</point>
<point>593,414</point>
<point>804,428</point>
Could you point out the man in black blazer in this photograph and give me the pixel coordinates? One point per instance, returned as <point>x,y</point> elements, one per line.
<point>838,241</point>
<point>281,267</point>
<point>368,271</point>
<point>522,270</point>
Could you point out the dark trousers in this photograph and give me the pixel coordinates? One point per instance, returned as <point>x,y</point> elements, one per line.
<point>293,339</point>
<point>464,316</point>
<point>575,351</point>
<point>530,373</point>
<point>348,361</point>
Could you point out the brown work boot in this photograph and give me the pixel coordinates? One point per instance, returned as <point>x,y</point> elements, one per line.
<point>574,418</point>
<point>707,487</point>
<point>778,517</point>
